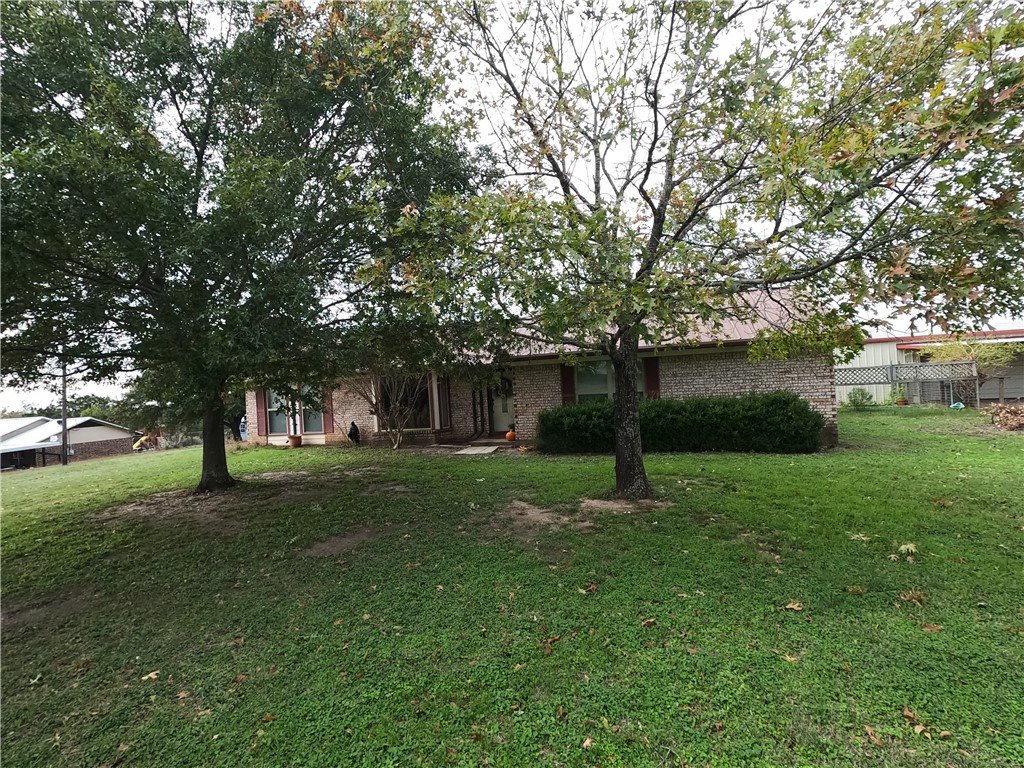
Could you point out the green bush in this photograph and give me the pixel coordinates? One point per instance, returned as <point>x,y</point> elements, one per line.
<point>774,422</point>
<point>577,428</point>
<point>859,399</point>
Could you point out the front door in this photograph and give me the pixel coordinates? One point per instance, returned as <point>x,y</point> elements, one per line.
<point>503,409</point>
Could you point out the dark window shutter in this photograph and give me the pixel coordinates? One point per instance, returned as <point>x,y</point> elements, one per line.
<point>328,413</point>
<point>652,378</point>
<point>261,412</point>
<point>568,384</point>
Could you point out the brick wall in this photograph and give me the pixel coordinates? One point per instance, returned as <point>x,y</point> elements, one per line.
<point>348,406</point>
<point>537,388</point>
<point>731,373</point>
<point>100,448</point>
<point>461,397</point>
<point>694,374</point>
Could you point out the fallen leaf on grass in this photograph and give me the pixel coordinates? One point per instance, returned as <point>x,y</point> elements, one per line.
<point>241,678</point>
<point>269,718</point>
<point>893,558</point>
<point>872,736</point>
<point>152,675</point>
<point>590,588</point>
<point>855,589</point>
<point>790,659</point>
<point>123,748</point>
<point>647,623</point>
<point>794,606</point>
<point>944,734</point>
<point>907,549</point>
<point>909,715</point>
<point>920,728</point>
<point>183,695</point>
<point>588,742</point>
<point>859,537</point>
<point>932,627</point>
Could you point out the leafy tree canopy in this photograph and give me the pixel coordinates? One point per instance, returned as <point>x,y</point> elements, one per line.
<point>671,166</point>
<point>189,187</point>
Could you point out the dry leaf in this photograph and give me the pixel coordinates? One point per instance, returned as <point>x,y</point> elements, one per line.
<point>908,714</point>
<point>123,748</point>
<point>152,675</point>
<point>791,659</point>
<point>920,728</point>
<point>932,627</point>
<point>794,606</point>
<point>241,678</point>
<point>894,557</point>
<point>944,734</point>
<point>183,695</point>
<point>647,623</point>
<point>587,742</point>
<point>269,718</point>
<point>907,549</point>
<point>872,736</point>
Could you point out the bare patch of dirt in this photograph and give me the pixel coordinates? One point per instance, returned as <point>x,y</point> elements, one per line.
<point>524,521</point>
<point>53,610</point>
<point>375,488</point>
<point>369,469</point>
<point>621,506</point>
<point>283,475</point>
<point>211,511</point>
<point>343,542</point>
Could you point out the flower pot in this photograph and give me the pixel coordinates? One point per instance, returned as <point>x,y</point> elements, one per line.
<point>294,441</point>
<point>903,401</point>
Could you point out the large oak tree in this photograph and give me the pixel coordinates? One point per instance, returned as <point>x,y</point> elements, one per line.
<point>668,161</point>
<point>189,187</point>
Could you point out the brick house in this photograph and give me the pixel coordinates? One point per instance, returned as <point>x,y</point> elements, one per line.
<point>452,411</point>
<point>35,441</point>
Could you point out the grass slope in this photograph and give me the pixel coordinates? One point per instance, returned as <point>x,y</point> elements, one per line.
<point>446,629</point>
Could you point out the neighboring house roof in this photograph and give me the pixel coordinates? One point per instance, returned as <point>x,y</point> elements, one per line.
<point>10,428</point>
<point>915,342</point>
<point>41,432</point>
<point>771,313</point>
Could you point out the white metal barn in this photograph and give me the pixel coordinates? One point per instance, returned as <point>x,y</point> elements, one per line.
<point>900,350</point>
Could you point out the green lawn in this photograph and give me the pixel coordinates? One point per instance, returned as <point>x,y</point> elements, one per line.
<point>444,625</point>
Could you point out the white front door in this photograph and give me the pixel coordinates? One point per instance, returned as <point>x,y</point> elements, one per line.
<point>503,409</point>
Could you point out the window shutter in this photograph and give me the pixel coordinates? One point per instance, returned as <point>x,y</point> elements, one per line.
<point>652,378</point>
<point>261,412</point>
<point>568,384</point>
<point>328,413</point>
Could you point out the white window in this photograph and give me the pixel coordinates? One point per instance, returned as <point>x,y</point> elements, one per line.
<point>596,381</point>
<point>285,417</point>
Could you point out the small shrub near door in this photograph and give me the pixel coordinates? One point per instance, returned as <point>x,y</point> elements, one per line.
<point>774,422</point>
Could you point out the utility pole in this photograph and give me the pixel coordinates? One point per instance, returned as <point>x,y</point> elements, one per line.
<point>63,410</point>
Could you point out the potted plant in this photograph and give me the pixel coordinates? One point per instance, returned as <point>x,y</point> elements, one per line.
<point>899,395</point>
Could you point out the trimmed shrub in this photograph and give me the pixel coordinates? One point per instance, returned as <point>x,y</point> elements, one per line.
<point>773,422</point>
<point>577,428</point>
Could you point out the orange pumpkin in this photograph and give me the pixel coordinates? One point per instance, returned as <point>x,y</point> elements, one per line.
<point>510,435</point>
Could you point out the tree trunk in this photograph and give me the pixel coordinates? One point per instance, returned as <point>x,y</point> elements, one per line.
<point>630,476</point>
<point>215,458</point>
<point>234,423</point>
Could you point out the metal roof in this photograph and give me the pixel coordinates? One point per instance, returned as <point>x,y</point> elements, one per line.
<point>41,432</point>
